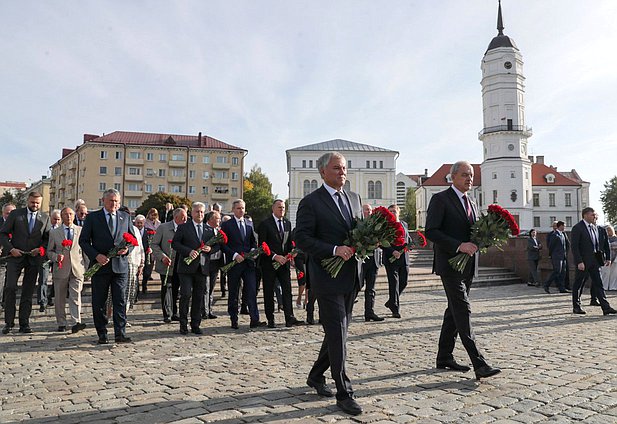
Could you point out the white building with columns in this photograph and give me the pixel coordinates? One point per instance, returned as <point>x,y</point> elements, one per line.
<point>371,172</point>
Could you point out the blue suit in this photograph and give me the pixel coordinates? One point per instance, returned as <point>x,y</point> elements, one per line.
<point>558,246</point>
<point>95,239</point>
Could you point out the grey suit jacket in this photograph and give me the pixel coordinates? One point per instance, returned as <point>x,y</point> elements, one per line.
<point>161,247</point>
<point>73,257</point>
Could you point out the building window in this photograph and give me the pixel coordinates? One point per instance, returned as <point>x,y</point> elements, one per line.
<point>163,157</point>
<point>304,163</point>
<point>177,157</point>
<point>191,190</point>
<point>206,175</point>
<point>206,159</point>
<point>234,191</point>
<point>568,199</point>
<point>117,170</point>
<point>568,221</point>
<point>378,192</point>
<point>133,187</point>
<point>313,185</point>
<point>103,154</point>
<point>371,190</point>
<point>512,175</point>
<point>103,170</point>
<point>150,156</point>
<point>175,188</point>
<point>204,190</point>
<point>310,164</point>
<point>161,188</point>
<point>494,175</point>
<point>133,203</point>
<point>118,186</point>
<point>381,164</point>
<point>134,171</point>
<point>177,172</point>
<point>494,196</point>
<point>192,158</point>
<point>118,155</point>
<point>536,200</point>
<point>148,188</point>
<point>551,200</point>
<point>102,186</point>
<point>480,199</point>
<point>161,173</point>
<point>234,176</point>
<point>221,159</point>
<point>374,164</point>
<point>192,175</point>
<point>134,155</point>
<point>368,163</point>
<point>149,172</point>
<point>235,161</point>
<point>536,221</point>
<point>348,164</point>
<point>221,190</point>
<point>306,188</point>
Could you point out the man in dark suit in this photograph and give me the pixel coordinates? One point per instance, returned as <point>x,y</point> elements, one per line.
<point>7,208</point>
<point>186,242</point>
<point>450,216</point>
<point>558,250</point>
<point>324,220</point>
<point>275,231</point>
<point>533,258</point>
<point>241,240</point>
<point>370,268</point>
<point>103,230</point>
<point>213,223</point>
<point>29,230</point>
<point>398,270</point>
<point>81,211</point>
<point>591,250</point>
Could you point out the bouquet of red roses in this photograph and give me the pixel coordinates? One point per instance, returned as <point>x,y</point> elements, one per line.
<point>289,256</point>
<point>127,239</point>
<point>150,234</point>
<point>221,237</point>
<point>252,255</point>
<point>378,229</point>
<point>419,241</point>
<point>66,245</point>
<point>490,230</point>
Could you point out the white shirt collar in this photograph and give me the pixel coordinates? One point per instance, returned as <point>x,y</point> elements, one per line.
<point>277,219</point>
<point>332,190</point>
<point>238,220</point>
<point>459,193</point>
<point>65,227</point>
<point>175,225</point>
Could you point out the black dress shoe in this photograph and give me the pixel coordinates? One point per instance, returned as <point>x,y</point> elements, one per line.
<point>452,365</point>
<point>212,316</point>
<point>547,290</point>
<point>42,308</point>
<point>255,324</point>
<point>167,320</point>
<point>349,406</point>
<point>396,315</point>
<point>103,340</point>
<point>223,293</point>
<point>204,316</point>
<point>122,339</point>
<point>25,330</point>
<point>61,329</point>
<point>234,325</point>
<point>196,330</point>
<point>271,324</point>
<point>578,311</point>
<point>594,302</point>
<point>310,321</point>
<point>293,321</point>
<point>565,291</point>
<point>321,388</point>
<point>175,318</point>
<point>609,311</point>
<point>78,327</point>
<point>184,331</point>
<point>486,371</point>
<point>372,317</point>
<point>244,311</point>
<point>6,329</point>
<point>50,302</point>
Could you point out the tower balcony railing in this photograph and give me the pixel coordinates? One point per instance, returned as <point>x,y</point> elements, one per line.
<point>527,131</point>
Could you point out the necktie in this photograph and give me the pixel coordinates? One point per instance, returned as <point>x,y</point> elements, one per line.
<point>594,238</point>
<point>242,229</point>
<point>344,210</point>
<point>281,229</point>
<point>110,223</point>
<point>468,210</point>
<point>68,234</point>
<point>31,222</point>
<point>200,232</point>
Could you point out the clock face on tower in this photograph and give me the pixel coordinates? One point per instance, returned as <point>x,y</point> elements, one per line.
<point>510,147</point>
<point>507,65</point>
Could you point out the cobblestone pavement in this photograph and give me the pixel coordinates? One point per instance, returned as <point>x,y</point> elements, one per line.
<point>557,367</point>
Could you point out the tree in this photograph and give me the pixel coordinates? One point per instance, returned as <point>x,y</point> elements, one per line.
<point>257,194</point>
<point>408,214</point>
<point>19,199</point>
<point>609,200</point>
<point>158,200</point>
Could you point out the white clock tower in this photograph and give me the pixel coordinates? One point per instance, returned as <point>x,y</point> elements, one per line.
<point>506,169</point>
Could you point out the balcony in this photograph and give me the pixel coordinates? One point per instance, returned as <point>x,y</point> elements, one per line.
<point>73,165</point>
<point>219,196</point>
<point>526,131</point>
<point>218,165</point>
<point>129,177</point>
<point>177,163</point>
<point>176,179</point>
<point>224,181</point>
<point>130,161</point>
<point>133,193</point>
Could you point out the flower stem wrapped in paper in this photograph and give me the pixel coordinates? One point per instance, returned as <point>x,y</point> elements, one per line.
<point>492,229</point>
<point>127,240</point>
<point>378,229</point>
<point>264,249</point>
<point>221,237</point>
<point>418,241</point>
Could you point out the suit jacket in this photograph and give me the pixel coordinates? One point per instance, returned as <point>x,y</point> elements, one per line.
<point>161,247</point>
<point>235,243</point>
<point>582,245</point>
<point>76,222</point>
<point>319,228</point>
<point>16,224</point>
<point>95,238</point>
<point>186,240</point>
<point>447,226</point>
<point>73,256</point>
<point>268,232</point>
<point>558,246</point>
<point>387,251</point>
<point>533,249</point>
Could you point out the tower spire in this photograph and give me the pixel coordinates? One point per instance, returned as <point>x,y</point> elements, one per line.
<point>499,20</point>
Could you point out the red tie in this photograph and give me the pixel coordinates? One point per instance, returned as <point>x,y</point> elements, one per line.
<point>468,209</point>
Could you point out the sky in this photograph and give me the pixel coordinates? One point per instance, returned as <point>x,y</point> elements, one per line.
<point>272,75</point>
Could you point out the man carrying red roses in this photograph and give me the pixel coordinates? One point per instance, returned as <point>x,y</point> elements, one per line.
<point>397,269</point>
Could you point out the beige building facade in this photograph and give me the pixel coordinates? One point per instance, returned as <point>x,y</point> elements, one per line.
<point>200,168</point>
<point>43,186</point>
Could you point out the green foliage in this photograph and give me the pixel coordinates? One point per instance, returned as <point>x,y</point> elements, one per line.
<point>609,200</point>
<point>408,212</point>
<point>158,200</point>
<point>258,194</point>
<point>19,199</point>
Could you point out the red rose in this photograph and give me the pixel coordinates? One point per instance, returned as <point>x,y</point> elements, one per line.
<point>300,275</point>
<point>266,249</point>
<point>42,251</point>
<point>169,241</point>
<point>151,232</point>
<point>225,239</point>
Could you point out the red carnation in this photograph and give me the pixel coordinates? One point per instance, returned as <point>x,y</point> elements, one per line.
<point>67,243</point>
<point>42,251</point>
<point>422,239</point>
<point>169,241</point>
<point>300,275</point>
<point>130,239</point>
<point>266,248</point>
<point>151,232</point>
<point>293,243</point>
<point>225,239</point>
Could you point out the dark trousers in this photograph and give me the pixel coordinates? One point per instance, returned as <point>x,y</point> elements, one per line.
<point>397,281</point>
<point>191,291</point>
<point>245,273</point>
<point>43,291</point>
<point>310,304</point>
<point>208,298</point>
<point>13,271</point>
<point>147,274</point>
<point>566,277</point>
<point>2,281</point>
<point>170,304</point>
<point>533,271</point>
<point>558,274</point>
<point>457,321</point>
<point>369,277</point>
<point>597,290</point>
<point>335,313</point>
<point>270,276</point>
<point>101,283</point>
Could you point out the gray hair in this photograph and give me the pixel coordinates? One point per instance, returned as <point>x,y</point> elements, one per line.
<point>237,202</point>
<point>216,207</point>
<point>199,205</point>
<point>325,159</point>
<point>79,202</point>
<point>66,208</point>
<point>56,212</point>
<point>140,217</point>
<point>457,165</point>
<point>177,212</point>
<point>111,192</point>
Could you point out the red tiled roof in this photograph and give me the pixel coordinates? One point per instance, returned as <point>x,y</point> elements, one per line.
<point>127,137</point>
<point>66,152</point>
<point>13,184</point>
<point>439,177</point>
<point>539,172</point>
